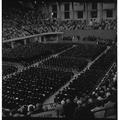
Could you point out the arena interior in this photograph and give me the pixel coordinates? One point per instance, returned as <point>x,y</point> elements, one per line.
<point>59,59</point>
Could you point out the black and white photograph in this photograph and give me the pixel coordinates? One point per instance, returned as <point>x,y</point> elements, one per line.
<point>59,59</point>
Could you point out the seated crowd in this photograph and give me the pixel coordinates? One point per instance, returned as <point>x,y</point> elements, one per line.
<point>32,86</point>
<point>74,59</point>
<point>23,92</point>
<point>79,85</point>
<point>84,51</point>
<point>66,63</point>
<point>32,52</point>
<point>17,23</point>
<point>79,100</point>
<point>99,103</point>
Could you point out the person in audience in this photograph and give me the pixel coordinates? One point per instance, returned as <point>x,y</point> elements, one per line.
<point>110,107</point>
<point>60,109</point>
<point>83,112</point>
<point>69,108</point>
<point>38,108</point>
<point>31,109</point>
<point>97,112</point>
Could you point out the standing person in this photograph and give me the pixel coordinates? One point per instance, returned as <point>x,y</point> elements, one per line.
<point>83,113</point>
<point>59,109</point>
<point>69,109</point>
<point>110,107</point>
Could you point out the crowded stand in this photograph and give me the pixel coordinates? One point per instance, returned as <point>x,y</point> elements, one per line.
<point>80,100</point>
<point>69,63</point>
<point>32,52</point>
<point>84,51</point>
<point>58,60</point>
<point>98,68</point>
<point>75,59</point>
<point>20,23</point>
<point>23,95</point>
<point>32,86</point>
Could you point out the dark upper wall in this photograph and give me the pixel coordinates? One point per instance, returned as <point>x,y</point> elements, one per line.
<point>83,0</point>
<point>14,2</point>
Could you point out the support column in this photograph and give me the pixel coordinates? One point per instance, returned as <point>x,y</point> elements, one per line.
<point>115,11</point>
<point>24,41</point>
<point>71,10</point>
<point>58,11</point>
<point>12,44</point>
<point>44,39</point>
<point>100,12</point>
<point>61,11</point>
<point>62,37</point>
<point>39,39</point>
<point>86,12</point>
<point>57,38</point>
